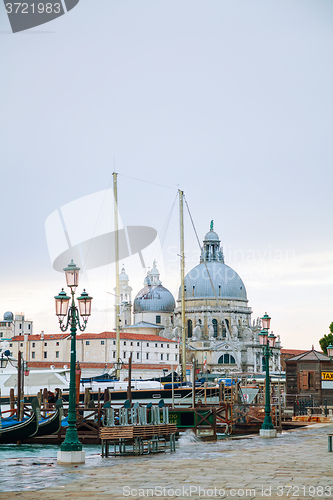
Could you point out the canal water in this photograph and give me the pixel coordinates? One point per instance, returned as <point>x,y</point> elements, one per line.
<point>33,467</point>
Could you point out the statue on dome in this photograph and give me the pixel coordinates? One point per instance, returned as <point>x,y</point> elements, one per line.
<point>212,225</point>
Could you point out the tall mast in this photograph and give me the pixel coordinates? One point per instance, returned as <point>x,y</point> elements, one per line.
<point>115,199</point>
<point>182,279</point>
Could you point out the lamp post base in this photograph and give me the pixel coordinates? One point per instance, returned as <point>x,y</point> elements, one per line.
<point>268,433</point>
<point>70,457</point>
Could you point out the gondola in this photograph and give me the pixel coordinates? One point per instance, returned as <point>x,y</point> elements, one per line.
<point>52,424</point>
<point>12,431</point>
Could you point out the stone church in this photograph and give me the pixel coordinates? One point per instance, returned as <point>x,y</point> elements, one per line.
<point>221,337</point>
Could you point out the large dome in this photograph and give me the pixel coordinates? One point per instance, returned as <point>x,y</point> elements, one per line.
<point>226,282</point>
<point>154,298</point>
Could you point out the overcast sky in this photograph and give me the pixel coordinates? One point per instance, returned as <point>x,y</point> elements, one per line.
<point>230,101</point>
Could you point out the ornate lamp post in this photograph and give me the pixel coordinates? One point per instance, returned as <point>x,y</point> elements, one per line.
<point>267,342</point>
<point>71,449</point>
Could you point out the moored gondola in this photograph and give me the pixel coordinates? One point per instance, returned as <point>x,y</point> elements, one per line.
<point>13,431</point>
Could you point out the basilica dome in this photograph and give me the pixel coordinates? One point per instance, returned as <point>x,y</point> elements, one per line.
<point>226,282</point>
<point>154,297</point>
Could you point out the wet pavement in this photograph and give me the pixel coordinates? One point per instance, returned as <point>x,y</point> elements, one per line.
<point>296,464</point>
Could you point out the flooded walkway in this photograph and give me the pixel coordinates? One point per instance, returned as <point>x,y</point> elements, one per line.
<point>294,465</point>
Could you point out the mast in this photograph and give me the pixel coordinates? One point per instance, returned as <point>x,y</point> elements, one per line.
<point>182,279</point>
<point>115,199</point>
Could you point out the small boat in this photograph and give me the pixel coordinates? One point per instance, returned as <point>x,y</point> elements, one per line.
<point>51,425</point>
<point>12,431</point>
<point>34,380</point>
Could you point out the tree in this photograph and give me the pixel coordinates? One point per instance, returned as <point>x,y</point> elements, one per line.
<point>327,339</point>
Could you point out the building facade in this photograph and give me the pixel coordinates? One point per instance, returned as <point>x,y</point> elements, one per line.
<point>149,352</point>
<point>220,333</point>
<point>12,326</point>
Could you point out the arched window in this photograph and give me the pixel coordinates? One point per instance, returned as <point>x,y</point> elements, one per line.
<point>215,327</point>
<point>226,359</point>
<point>224,331</point>
<point>189,328</point>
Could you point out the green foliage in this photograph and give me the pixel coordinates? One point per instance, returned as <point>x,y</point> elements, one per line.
<point>326,340</point>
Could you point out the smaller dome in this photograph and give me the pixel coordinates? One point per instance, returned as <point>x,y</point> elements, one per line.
<point>212,236</point>
<point>8,316</point>
<point>154,298</point>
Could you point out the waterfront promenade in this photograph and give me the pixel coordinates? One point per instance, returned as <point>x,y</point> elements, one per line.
<point>294,465</point>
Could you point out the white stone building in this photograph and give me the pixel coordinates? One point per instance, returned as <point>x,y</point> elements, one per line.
<point>220,333</point>
<point>12,326</point>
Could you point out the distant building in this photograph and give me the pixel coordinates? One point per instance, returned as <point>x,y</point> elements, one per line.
<point>208,298</point>
<point>12,326</point>
<point>98,350</point>
<point>287,354</point>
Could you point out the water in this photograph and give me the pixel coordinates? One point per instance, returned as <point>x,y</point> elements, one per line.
<point>35,467</point>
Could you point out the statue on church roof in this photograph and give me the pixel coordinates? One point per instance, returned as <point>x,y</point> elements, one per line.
<point>211,225</point>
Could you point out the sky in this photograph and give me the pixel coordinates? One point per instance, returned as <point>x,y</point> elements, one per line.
<point>230,101</point>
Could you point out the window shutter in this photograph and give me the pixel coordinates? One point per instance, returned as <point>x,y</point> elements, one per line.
<point>303,380</point>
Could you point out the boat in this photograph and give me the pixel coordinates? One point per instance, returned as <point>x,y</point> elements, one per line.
<point>51,425</point>
<point>34,380</point>
<point>12,431</point>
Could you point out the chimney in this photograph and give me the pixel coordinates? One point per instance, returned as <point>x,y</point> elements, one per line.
<point>42,335</point>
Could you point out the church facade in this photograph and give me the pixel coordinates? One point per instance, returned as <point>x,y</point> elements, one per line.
<point>221,335</point>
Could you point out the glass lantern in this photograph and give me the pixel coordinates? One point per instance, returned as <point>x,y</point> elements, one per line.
<point>72,274</point>
<point>266,321</point>
<point>330,350</point>
<point>84,304</point>
<point>271,340</point>
<point>263,337</point>
<point>61,303</point>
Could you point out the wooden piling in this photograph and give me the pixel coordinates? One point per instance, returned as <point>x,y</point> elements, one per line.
<point>11,399</point>
<point>86,397</point>
<point>129,390</point>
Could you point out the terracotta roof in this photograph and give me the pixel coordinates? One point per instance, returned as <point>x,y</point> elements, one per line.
<point>101,336</point>
<point>293,352</point>
<point>53,336</point>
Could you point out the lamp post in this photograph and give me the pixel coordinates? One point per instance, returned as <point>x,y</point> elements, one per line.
<point>267,342</point>
<point>71,449</point>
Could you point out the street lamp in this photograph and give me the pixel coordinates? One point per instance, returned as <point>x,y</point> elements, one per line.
<point>118,366</point>
<point>71,449</point>
<point>330,351</point>
<point>267,342</point>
